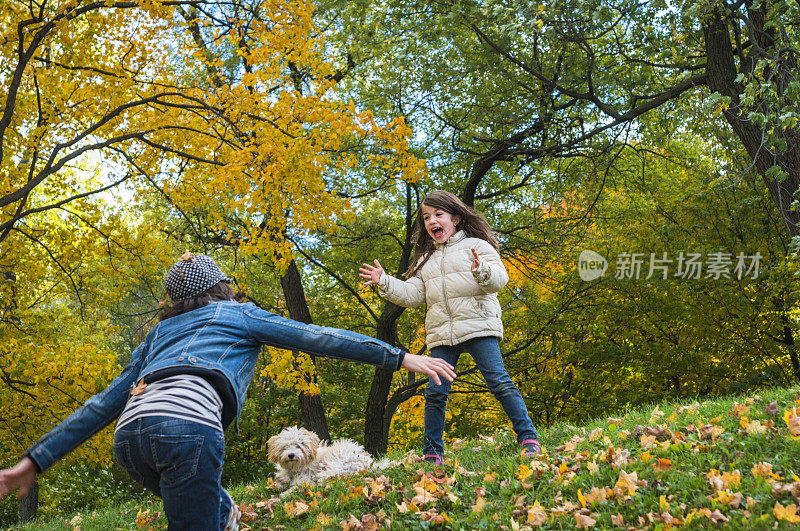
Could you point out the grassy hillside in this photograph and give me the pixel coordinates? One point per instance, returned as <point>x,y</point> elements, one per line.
<point>732,463</point>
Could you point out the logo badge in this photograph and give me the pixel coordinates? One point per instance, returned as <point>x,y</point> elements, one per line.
<point>591,265</point>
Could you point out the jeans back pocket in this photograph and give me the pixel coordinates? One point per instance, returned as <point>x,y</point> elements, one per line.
<point>176,456</point>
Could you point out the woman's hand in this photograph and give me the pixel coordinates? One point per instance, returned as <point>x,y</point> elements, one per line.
<point>476,261</point>
<point>372,274</point>
<point>433,367</point>
<point>21,476</point>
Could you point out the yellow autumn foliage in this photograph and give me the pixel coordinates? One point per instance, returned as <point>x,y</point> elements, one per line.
<point>112,111</point>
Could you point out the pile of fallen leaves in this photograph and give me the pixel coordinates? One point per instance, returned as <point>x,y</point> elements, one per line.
<point>726,463</point>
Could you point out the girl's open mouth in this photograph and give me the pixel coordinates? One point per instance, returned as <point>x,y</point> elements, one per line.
<point>438,231</point>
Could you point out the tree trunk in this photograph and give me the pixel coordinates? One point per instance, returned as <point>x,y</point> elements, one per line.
<point>310,405</point>
<point>377,418</point>
<point>29,505</point>
<point>377,421</point>
<point>721,74</point>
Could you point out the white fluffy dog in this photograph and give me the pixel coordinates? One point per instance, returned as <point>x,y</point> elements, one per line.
<point>302,459</point>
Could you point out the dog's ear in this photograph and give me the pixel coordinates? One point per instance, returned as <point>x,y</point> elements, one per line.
<point>272,449</point>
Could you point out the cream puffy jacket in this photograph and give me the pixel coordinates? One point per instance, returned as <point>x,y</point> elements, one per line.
<point>461,305</point>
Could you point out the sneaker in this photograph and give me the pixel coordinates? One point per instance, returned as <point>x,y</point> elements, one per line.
<point>234,517</point>
<point>531,447</point>
<point>433,458</point>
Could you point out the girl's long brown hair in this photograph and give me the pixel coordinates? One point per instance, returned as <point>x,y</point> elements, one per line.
<point>471,222</point>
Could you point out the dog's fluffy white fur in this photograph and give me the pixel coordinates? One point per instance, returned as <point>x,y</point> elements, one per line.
<point>301,458</point>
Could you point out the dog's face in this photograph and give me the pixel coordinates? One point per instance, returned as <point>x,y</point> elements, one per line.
<point>293,448</point>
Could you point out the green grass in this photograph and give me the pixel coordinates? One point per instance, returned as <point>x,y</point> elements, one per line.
<point>653,468</point>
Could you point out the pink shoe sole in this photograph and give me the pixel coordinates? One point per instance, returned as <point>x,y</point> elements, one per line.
<point>433,458</point>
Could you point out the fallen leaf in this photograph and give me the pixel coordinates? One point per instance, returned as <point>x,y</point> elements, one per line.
<point>596,495</point>
<point>792,419</point>
<point>726,497</point>
<point>710,431</point>
<point>479,504</point>
<point>754,427</point>
<point>295,508</point>
<point>739,410</point>
<point>717,517</point>
<point>628,483</point>
<point>537,515</point>
<point>764,470</point>
<point>662,464</point>
<point>423,497</point>
<point>248,512</point>
<point>139,388</point>
<point>788,513</point>
<point>583,521</point>
<point>523,472</point>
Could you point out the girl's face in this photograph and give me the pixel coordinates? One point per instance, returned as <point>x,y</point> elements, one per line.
<point>439,224</point>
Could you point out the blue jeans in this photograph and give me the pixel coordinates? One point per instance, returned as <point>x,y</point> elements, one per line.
<point>179,461</point>
<point>486,353</point>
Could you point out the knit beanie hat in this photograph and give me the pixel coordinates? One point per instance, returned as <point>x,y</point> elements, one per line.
<point>192,275</point>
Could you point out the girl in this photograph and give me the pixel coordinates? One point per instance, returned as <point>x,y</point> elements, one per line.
<point>457,271</point>
<point>185,383</point>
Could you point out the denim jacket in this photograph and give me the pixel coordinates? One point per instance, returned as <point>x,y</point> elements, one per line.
<point>224,339</point>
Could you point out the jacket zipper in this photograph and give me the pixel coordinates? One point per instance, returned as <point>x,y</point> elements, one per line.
<point>444,294</point>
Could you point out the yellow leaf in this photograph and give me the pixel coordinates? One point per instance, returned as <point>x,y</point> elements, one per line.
<point>628,483</point>
<point>792,419</point>
<point>524,472</point>
<point>788,513</point>
<point>478,507</point>
<point>537,515</point>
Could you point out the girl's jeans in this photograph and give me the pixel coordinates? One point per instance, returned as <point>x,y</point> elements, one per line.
<point>181,462</point>
<point>486,353</point>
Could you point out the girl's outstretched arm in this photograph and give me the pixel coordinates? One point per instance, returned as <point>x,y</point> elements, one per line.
<point>21,476</point>
<point>409,293</point>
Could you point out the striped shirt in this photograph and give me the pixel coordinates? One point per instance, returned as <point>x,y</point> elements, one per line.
<point>183,396</point>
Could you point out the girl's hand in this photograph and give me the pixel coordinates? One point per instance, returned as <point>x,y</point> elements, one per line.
<point>21,477</point>
<point>476,261</point>
<point>433,367</point>
<point>370,273</point>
